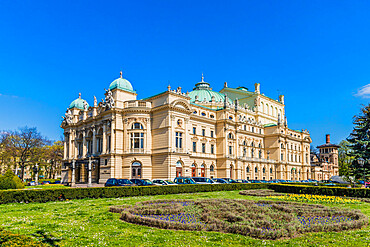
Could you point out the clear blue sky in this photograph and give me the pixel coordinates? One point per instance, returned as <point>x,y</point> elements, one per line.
<point>316,53</point>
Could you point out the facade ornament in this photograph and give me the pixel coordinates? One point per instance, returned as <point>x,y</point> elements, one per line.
<point>95,102</point>
<point>168,87</point>
<point>85,105</point>
<point>225,84</point>
<point>257,101</point>
<point>68,118</point>
<point>178,90</point>
<point>109,100</point>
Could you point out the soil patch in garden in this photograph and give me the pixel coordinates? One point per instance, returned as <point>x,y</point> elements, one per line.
<point>262,219</point>
<point>262,193</point>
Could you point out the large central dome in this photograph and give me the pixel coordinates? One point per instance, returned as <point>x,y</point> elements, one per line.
<point>122,84</point>
<point>204,92</point>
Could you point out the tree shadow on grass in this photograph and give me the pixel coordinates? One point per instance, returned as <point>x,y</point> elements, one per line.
<point>47,238</point>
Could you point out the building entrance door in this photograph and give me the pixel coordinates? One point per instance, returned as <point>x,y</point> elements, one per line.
<point>178,169</point>
<point>136,170</point>
<point>202,171</point>
<point>193,170</point>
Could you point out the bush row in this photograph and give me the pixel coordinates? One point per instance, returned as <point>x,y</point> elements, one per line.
<point>12,240</point>
<point>46,195</point>
<point>321,190</point>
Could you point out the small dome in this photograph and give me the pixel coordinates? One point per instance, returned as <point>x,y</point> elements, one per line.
<point>203,91</point>
<point>122,84</point>
<point>78,103</point>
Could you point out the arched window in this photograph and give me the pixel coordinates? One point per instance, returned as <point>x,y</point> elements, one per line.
<point>244,143</point>
<point>255,170</point>
<point>260,153</point>
<point>270,170</point>
<point>264,170</point>
<point>252,144</point>
<point>99,141</point>
<point>212,168</point>
<point>231,136</point>
<point>136,169</point>
<point>252,152</point>
<point>247,168</point>
<point>137,126</point>
<point>89,143</point>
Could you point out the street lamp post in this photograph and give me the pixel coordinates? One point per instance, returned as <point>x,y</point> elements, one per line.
<point>361,162</point>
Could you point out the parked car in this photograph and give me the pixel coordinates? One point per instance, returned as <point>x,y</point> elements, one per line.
<point>220,180</point>
<point>142,182</point>
<point>184,180</point>
<point>202,180</point>
<point>118,182</point>
<point>45,182</point>
<point>243,181</point>
<point>32,183</point>
<point>57,182</point>
<point>254,181</point>
<point>231,181</point>
<point>163,182</point>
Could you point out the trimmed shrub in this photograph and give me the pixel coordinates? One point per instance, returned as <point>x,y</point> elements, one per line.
<point>13,240</point>
<point>10,181</point>
<point>321,190</point>
<point>46,195</point>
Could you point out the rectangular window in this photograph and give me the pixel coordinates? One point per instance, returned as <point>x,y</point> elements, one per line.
<point>203,132</point>
<point>194,147</point>
<point>211,133</point>
<point>194,131</point>
<point>203,147</point>
<point>253,129</point>
<point>282,156</point>
<point>212,149</point>
<point>230,150</point>
<point>109,143</point>
<point>178,140</point>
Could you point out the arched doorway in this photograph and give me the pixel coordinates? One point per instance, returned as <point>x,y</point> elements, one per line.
<point>193,170</point>
<point>231,171</point>
<point>136,169</point>
<point>178,169</point>
<point>202,171</point>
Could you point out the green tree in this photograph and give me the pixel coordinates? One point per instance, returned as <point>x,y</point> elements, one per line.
<point>359,143</point>
<point>344,159</point>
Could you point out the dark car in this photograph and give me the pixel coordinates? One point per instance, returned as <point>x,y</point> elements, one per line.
<point>243,181</point>
<point>45,182</point>
<point>255,181</point>
<point>202,180</point>
<point>220,180</point>
<point>184,180</point>
<point>118,182</point>
<point>231,181</point>
<point>142,182</point>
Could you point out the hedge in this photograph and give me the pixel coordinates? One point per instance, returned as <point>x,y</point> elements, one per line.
<point>321,190</point>
<point>60,194</point>
<point>12,240</point>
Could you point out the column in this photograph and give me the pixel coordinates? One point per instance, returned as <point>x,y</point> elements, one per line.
<point>89,173</point>
<point>66,139</point>
<point>84,152</point>
<point>73,178</point>
<point>104,148</point>
<point>94,140</point>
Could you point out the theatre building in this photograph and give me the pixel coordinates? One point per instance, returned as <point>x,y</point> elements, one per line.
<point>234,133</point>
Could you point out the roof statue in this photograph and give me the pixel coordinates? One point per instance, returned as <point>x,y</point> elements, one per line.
<point>68,118</point>
<point>109,101</point>
<point>95,102</point>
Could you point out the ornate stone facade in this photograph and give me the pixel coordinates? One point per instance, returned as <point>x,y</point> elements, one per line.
<point>324,165</point>
<point>233,133</point>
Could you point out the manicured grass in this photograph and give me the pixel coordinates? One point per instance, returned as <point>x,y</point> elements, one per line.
<point>88,222</point>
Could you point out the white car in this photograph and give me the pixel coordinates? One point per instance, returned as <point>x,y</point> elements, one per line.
<point>163,182</point>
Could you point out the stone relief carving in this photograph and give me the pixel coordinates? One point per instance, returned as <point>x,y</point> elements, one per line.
<point>109,101</point>
<point>68,118</point>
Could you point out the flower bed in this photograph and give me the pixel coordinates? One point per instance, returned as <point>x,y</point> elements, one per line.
<point>315,198</point>
<point>262,219</point>
<point>12,240</point>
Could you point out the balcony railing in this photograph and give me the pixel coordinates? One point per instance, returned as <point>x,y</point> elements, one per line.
<point>137,150</point>
<point>137,103</point>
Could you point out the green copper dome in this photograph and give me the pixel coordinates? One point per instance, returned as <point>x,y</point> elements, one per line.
<point>203,91</point>
<point>122,84</point>
<point>78,103</point>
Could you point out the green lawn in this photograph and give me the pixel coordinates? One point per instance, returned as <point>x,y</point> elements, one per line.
<point>88,222</point>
